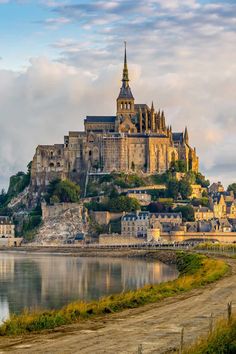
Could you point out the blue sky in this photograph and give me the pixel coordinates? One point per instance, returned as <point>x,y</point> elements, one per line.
<point>61,60</point>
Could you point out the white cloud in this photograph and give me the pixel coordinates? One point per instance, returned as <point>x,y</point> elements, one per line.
<point>181,55</point>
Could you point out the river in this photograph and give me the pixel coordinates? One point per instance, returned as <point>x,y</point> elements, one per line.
<point>47,281</point>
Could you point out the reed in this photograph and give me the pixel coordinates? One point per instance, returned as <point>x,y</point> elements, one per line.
<point>221,340</point>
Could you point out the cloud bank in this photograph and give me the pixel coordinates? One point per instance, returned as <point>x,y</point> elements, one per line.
<point>181,55</point>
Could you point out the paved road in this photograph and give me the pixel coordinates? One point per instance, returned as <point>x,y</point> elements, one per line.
<point>156,326</point>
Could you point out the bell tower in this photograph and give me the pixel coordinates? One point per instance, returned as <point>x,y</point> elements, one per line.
<point>125,100</point>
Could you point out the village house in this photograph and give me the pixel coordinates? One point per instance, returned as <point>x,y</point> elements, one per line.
<point>7,233</point>
<point>142,224</point>
<point>216,188</point>
<point>203,213</point>
<point>7,227</point>
<point>197,191</point>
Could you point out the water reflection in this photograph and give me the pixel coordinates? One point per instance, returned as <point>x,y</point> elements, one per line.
<point>51,281</point>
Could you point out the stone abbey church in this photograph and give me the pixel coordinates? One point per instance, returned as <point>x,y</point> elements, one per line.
<point>135,140</point>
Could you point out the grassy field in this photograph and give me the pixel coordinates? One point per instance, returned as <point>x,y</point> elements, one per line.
<point>195,271</point>
<point>221,341</point>
<point>227,247</point>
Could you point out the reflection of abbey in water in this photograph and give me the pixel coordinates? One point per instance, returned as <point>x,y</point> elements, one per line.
<point>52,281</point>
<point>90,278</point>
<point>136,139</point>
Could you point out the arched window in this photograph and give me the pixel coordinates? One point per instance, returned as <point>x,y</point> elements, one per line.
<point>58,164</point>
<point>51,154</point>
<point>51,164</point>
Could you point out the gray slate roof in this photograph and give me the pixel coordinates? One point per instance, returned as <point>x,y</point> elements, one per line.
<point>178,137</point>
<point>142,106</point>
<point>102,119</point>
<point>125,92</point>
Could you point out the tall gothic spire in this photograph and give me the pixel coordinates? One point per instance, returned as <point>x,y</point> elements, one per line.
<point>125,78</point>
<point>125,91</point>
<point>186,139</point>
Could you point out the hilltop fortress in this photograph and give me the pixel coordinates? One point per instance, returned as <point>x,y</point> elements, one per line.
<point>135,140</point>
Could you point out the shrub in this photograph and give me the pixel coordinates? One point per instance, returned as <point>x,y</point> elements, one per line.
<point>62,191</point>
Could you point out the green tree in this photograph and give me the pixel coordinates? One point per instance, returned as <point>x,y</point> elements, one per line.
<point>200,179</point>
<point>185,189</point>
<point>62,191</point>
<point>187,212</point>
<point>123,203</point>
<point>158,207</point>
<point>178,166</point>
<point>190,177</point>
<point>3,198</point>
<point>232,187</point>
<point>173,188</point>
<point>67,192</point>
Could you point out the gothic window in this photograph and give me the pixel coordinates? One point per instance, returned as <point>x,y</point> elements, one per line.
<point>51,154</point>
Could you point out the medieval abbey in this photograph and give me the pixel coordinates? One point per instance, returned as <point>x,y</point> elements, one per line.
<point>135,140</point>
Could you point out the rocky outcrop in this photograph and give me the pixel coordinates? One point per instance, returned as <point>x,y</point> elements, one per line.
<point>63,228</point>
<point>20,200</point>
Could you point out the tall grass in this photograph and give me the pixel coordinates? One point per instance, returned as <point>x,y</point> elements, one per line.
<point>195,270</point>
<point>228,247</point>
<point>221,341</point>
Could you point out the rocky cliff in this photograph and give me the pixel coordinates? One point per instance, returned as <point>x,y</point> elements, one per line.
<point>62,228</point>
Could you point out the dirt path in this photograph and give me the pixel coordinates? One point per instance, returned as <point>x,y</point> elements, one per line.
<point>156,326</point>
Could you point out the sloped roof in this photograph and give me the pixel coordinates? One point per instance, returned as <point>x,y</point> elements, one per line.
<point>178,137</point>
<point>125,92</point>
<point>142,106</point>
<point>102,119</point>
<point>5,220</point>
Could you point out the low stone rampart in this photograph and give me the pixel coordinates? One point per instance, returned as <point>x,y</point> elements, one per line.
<point>117,239</point>
<point>52,211</point>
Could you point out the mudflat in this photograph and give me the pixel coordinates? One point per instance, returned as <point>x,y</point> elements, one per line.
<point>156,326</point>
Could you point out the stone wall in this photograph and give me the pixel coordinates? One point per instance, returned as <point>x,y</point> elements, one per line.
<point>51,211</point>
<point>104,217</point>
<point>117,239</point>
<point>11,242</point>
<point>225,237</point>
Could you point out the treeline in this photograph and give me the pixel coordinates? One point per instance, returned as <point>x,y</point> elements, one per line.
<point>17,185</point>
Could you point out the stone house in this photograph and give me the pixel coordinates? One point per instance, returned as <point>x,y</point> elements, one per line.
<point>197,191</point>
<point>139,224</point>
<point>203,213</point>
<point>216,188</point>
<point>7,227</point>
